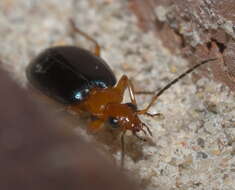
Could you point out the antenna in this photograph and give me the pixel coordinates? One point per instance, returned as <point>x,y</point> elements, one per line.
<point>159,93</point>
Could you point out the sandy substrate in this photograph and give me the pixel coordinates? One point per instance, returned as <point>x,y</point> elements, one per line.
<point>192,148</point>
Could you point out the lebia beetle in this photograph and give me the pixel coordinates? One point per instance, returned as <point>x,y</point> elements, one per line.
<point>83,82</point>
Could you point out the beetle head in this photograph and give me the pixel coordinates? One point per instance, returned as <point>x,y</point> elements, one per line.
<point>125,117</point>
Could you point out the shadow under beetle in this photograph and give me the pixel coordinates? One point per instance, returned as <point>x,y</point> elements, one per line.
<point>83,82</point>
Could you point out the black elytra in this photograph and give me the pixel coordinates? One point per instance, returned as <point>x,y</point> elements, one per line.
<point>67,73</point>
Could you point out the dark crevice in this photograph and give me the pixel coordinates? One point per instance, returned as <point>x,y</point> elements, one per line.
<point>220,45</point>
<point>208,45</point>
<point>183,43</point>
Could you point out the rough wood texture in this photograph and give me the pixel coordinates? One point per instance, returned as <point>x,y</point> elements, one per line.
<point>197,29</point>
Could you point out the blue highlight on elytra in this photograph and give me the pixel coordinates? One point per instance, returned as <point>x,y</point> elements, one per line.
<point>80,94</point>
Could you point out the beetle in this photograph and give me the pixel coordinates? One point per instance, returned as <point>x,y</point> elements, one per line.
<point>83,82</point>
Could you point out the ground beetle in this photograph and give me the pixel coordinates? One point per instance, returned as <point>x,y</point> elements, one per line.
<point>83,82</point>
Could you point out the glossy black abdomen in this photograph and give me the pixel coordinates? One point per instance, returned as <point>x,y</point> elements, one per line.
<point>67,73</point>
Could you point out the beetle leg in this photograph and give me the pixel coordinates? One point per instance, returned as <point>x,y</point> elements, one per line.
<point>76,29</point>
<point>142,139</point>
<point>145,92</point>
<point>160,115</point>
<point>124,83</point>
<point>149,131</point>
<point>131,92</point>
<point>145,133</point>
<point>162,90</point>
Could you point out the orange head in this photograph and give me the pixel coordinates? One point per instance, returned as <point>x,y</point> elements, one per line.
<point>125,117</point>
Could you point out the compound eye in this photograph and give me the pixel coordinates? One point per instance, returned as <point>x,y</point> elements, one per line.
<point>114,122</point>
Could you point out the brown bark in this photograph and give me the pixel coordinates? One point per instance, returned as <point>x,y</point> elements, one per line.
<point>197,29</point>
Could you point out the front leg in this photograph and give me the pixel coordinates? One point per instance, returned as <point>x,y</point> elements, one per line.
<point>124,83</point>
